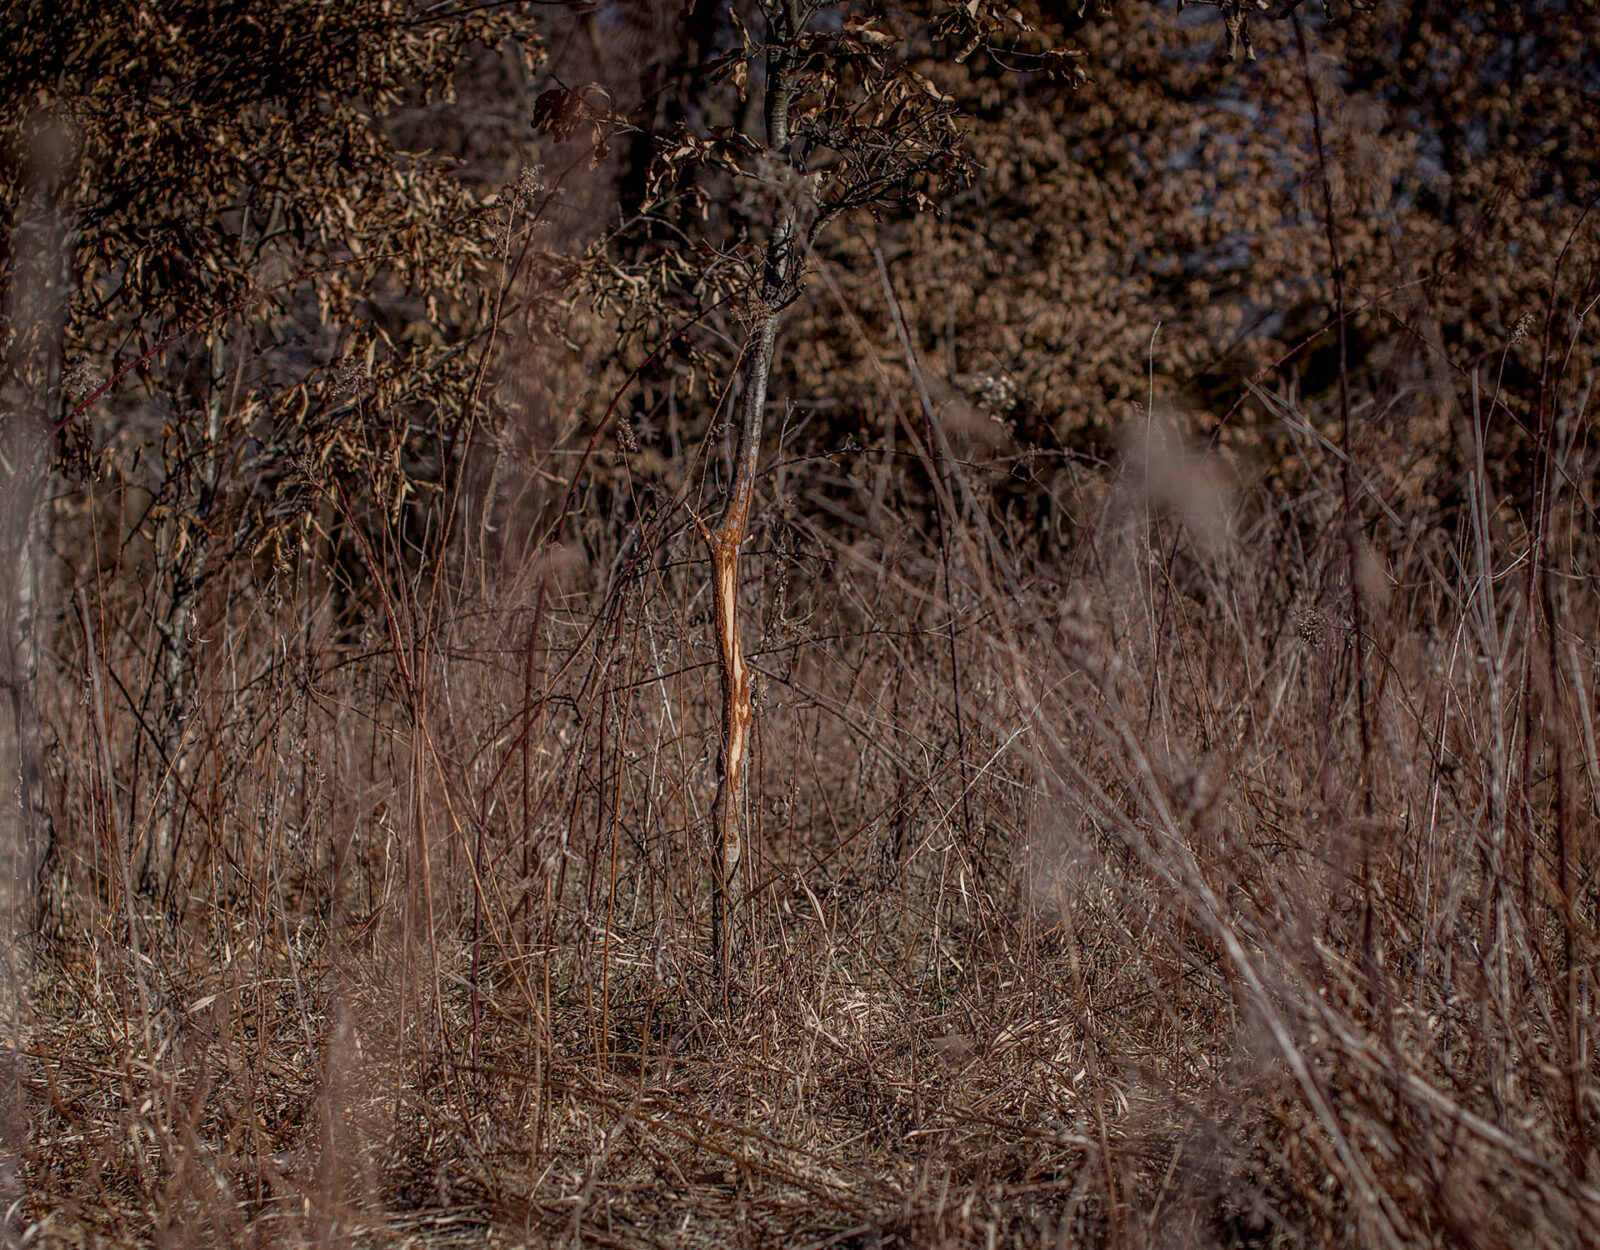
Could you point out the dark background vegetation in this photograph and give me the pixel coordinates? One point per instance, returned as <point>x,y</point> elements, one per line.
<point>1170,597</point>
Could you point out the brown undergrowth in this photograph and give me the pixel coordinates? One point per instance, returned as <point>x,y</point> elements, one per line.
<point>1169,822</point>
<point>1164,907</point>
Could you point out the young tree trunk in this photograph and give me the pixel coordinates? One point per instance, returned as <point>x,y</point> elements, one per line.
<point>35,309</point>
<point>777,287</point>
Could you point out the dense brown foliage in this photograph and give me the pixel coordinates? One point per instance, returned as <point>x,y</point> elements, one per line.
<point>1168,606</point>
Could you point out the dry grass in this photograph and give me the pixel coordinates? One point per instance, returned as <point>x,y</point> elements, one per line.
<point>1195,847</point>
<point>1206,922</point>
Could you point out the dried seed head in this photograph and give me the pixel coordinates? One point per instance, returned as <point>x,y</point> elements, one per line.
<point>993,390</point>
<point>350,377</point>
<point>529,186</point>
<point>80,382</point>
<point>1313,629</point>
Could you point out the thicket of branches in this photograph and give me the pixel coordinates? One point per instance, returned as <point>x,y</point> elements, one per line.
<point>797,623</point>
